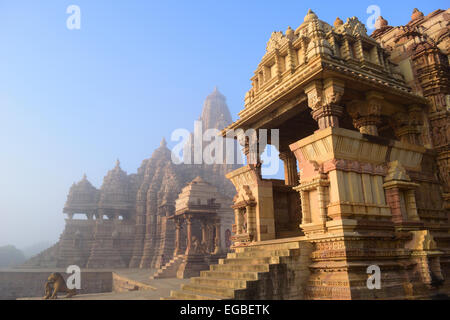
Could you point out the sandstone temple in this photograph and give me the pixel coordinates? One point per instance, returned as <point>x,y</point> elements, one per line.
<point>362,211</point>
<point>364,138</point>
<point>129,222</point>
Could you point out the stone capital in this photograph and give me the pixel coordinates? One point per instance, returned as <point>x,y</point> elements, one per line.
<point>406,125</point>
<point>366,114</point>
<point>323,99</point>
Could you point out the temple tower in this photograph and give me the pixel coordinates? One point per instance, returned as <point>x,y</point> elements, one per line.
<point>78,237</point>
<point>114,227</point>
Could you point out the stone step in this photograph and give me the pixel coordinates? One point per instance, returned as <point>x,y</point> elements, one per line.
<point>169,270</point>
<point>249,261</point>
<point>227,293</point>
<point>222,283</point>
<point>230,275</point>
<point>270,247</point>
<point>263,253</point>
<point>235,267</point>
<point>187,295</point>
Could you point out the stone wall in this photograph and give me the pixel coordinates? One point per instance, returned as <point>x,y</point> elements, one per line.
<point>20,284</point>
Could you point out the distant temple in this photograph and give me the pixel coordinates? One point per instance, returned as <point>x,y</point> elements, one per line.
<point>363,211</point>
<point>127,222</point>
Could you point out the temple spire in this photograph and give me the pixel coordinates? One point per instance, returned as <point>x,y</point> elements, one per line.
<point>163,143</point>
<point>310,16</point>
<point>381,23</point>
<point>417,14</point>
<point>338,22</point>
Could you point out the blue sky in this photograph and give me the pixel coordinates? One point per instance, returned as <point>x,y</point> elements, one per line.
<point>73,101</point>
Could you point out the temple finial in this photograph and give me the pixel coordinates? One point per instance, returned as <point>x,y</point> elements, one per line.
<point>289,32</point>
<point>310,16</point>
<point>338,22</point>
<point>163,142</point>
<point>417,14</point>
<point>117,163</point>
<point>381,23</point>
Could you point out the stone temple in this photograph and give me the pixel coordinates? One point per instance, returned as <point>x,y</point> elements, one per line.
<point>127,222</point>
<point>363,211</point>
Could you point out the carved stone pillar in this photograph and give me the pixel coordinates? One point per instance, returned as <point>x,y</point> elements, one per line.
<point>251,148</point>
<point>188,234</point>
<point>177,237</point>
<point>290,168</point>
<point>204,239</point>
<point>211,237</point>
<point>238,220</point>
<point>407,125</point>
<point>217,246</point>
<point>324,101</point>
<point>251,221</point>
<point>367,114</point>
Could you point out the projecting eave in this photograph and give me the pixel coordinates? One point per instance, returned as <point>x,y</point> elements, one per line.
<point>287,93</point>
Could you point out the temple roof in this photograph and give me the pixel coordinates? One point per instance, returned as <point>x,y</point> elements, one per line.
<point>82,197</point>
<point>115,191</point>
<point>198,194</point>
<point>343,52</point>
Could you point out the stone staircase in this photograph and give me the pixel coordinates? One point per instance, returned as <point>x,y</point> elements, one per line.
<point>273,270</point>
<point>169,270</point>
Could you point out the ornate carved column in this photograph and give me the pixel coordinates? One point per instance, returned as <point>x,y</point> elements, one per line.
<point>188,234</point>
<point>251,221</point>
<point>251,148</point>
<point>324,101</point>
<point>407,125</point>
<point>367,114</point>
<point>290,168</point>
<point>217,246</point>
<point>211,239</point>
<point>204,227</point>
<point>238,221</point>
<point>177,237</point>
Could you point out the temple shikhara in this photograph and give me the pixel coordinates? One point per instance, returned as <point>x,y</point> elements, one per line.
<point>364,136</point>
<point>132,222</point>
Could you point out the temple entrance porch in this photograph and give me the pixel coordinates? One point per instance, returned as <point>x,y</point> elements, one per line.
<point>198,232</point>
